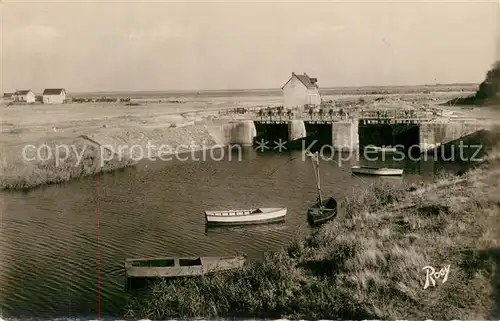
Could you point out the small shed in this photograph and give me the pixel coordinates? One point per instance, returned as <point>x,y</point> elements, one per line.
<point>54,96</point>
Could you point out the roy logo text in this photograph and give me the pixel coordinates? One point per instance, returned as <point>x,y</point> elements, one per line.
<point>431,275</point>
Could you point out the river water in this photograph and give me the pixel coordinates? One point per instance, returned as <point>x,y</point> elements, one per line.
<point>49,263</point>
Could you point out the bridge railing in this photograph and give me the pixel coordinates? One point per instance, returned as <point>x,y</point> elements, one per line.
<point>253,111</point>
<point>399,114</point>
<point>273,113</point>
<point>300,116</point>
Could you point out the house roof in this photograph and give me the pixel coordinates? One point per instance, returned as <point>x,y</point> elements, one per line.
<point>305,80</point>
<point>8,94</point>
<point>53,91</point>
<point>22,92</point>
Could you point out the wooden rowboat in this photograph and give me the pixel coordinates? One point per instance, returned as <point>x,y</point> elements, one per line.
<point>381,171</point>
<point>242,217</point>
<point>321,213</point>
<point>169,267</point>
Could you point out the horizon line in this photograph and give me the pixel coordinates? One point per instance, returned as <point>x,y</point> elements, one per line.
<point>255,89</point>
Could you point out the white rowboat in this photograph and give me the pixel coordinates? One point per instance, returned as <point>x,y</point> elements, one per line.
<point>381,149</point>
<point>240,217</point>
<point>366,170</point>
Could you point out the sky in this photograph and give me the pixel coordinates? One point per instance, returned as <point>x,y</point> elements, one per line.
<point>194,45</point>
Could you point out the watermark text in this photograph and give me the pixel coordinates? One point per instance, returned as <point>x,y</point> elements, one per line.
<point>431,275</point>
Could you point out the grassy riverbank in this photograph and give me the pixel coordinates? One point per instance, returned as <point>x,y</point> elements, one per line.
<point>368,264</point>
<point>63,159</point>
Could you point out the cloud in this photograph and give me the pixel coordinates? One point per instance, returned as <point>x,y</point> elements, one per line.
<point>160,33</point>
<point>319,30</point>
<point>31,39</point>
<point>37,31</point>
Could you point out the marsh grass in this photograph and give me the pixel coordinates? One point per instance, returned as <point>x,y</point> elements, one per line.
<point>367,264</point>
<point>25,173</point>
<point>20,174</point>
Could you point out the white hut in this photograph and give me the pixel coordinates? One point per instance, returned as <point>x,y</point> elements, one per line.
<point>301,90</point>
<point>54,96</point>
<point>26,96</point>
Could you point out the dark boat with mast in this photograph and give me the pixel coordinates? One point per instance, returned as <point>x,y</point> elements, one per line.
<point>323,210</point>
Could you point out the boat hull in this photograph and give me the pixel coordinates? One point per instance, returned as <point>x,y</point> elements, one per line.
<point>381,149</point>
<point>317,214</point>
<point>269,227</point>
<point>268,216</point>
<point>264,221</point>
<point>377,171</point>
<point>208,265</point>
<point>322,218</point>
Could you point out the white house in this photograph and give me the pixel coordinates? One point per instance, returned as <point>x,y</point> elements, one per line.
<point>54,96</point>
<point>26,96</point>
<point>301,90</point>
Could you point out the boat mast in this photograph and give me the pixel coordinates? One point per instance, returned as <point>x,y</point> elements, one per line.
<point>315,162</point>
<point>319,182</point>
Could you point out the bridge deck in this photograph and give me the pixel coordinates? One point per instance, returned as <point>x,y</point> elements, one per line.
<point>362,121</point>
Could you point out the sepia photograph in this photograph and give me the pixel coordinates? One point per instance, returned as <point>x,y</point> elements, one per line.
<point>249,160</point>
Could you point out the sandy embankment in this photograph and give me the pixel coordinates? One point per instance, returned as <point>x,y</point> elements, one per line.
<point>58,143</point>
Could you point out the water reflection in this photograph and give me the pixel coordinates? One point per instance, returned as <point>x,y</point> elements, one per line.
<point>268,228</point>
